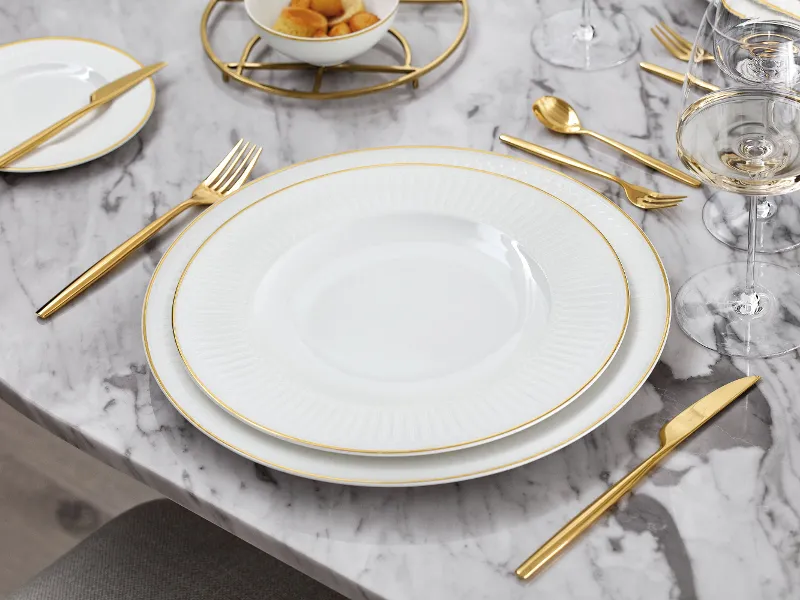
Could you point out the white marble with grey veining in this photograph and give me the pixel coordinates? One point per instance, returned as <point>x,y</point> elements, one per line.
<point>720,519</point>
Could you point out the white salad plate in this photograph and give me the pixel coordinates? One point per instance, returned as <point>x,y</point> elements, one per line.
<point>42,80</point>
<point>640,349</point>
<point>400,309</point>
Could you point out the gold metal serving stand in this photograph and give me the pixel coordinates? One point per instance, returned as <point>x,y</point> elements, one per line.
<point>242,69</point>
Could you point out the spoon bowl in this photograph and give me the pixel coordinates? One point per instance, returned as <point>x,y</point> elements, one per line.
<point>557,115</point>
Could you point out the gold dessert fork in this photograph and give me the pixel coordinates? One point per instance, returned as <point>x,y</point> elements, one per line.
<point>677,45</point>
<point>638,195</point>
<point>228,177</point>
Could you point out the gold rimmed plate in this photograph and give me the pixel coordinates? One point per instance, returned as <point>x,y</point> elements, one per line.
<point>400,309</point>
<point>640,349</point>
<point>42,80</point>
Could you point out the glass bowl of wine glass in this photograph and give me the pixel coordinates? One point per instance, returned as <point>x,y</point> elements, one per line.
<point>739,131</point>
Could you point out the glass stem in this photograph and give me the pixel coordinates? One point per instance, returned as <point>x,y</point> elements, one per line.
<point>586,14</point>
<point>748,303</point>
<point>585,31</point>
<point>750,278</point>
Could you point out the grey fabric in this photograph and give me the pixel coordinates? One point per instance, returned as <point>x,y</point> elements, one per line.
<point>160,551</point>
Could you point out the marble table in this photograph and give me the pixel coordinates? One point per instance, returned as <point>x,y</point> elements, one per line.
<point>720,519</point>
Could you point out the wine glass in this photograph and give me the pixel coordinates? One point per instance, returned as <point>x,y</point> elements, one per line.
<point>725,216</point>
<point>586,39</point>
<point>744,138</point>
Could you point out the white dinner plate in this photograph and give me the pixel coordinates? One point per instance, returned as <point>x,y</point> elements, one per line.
<point>638,354</point>
<point>764,9</point>
<point>400,309</point>
<point>43,80</point>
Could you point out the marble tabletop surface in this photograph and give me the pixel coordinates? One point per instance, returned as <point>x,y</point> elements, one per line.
<point>720,519</point>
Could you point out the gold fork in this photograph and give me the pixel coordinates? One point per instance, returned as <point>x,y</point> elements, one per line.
<point>677,45</point>
<point>228,177</point>
<point>638,195</point>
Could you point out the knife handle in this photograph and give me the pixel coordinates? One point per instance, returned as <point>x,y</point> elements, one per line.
<point>677,77</point>
<point>41,137</point>
<point>572,530</point>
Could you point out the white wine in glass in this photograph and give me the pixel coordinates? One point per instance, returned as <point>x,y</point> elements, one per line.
<point>758,53</point>
<point>747,141</point>
<point>586,38</point>
<point>743,139</point>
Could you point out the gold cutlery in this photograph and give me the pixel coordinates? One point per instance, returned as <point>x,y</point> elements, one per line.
<point>672,434</point>
<point>558,116</point>
<point>228,177</point>
<point>675,76</point>
<point>677,45</point>
<point>100,96</point>
<point>638,195</point>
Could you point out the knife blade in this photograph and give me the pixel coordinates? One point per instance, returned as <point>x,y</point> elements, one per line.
<point>100,96</point>
<point>119,86</point>
<point>671,434</point>
<point>698,414</point>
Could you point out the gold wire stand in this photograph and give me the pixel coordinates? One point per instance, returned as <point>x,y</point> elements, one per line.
<point>406,73</point>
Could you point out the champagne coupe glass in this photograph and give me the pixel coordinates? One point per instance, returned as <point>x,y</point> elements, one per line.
<point>585,38</point>
<point>743,138</point>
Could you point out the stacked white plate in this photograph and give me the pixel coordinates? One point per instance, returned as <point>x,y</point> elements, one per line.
<point>405,316</point>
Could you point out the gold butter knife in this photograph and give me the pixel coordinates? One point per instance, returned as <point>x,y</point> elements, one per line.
<point>101,96</point>
<point>675,76</point>
<point>672,434</point>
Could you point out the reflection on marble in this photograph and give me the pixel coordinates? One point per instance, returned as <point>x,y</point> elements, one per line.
<point>720,519</point>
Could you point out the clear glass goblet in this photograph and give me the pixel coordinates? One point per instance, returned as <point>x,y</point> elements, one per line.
<point>740,132</point>
<point>585,38</point>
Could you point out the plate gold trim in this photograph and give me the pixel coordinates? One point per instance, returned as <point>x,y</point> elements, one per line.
<point>763,3</point>
<point>733,11</point>
<point>776,8</point>
<point>126,138</point>
<point>409,451</point>
<point>431,480</point>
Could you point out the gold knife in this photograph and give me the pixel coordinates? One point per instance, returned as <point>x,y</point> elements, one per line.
<point>101,96</point>
<point>671,75</point>
<point>672,434</point>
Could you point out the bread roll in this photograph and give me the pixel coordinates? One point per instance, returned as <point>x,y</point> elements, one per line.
<point>329,8</point>
<point>351,7</point>
<point>340,29</point>
<point>301,22</point>
<point>300,4</point>
<point>362,20</point>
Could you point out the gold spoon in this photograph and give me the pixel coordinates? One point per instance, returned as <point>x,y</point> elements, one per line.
<point>558,116</point>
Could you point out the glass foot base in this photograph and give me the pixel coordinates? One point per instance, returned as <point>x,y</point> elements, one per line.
<point>560,40</point>
<point>725,216</point>
<point>712,310</point>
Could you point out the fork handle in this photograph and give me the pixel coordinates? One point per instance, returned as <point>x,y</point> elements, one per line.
<point>96,272</point>
<point>643,158</point>
<point>556,157</point>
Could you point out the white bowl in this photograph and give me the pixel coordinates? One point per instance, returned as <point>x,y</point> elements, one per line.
<point>322,52</point>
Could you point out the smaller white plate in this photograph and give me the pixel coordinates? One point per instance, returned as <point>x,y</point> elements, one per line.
<point>401,309</point>
<point>43,80</point>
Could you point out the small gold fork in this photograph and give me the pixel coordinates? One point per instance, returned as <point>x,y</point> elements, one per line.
<point>228,177</point>
<point>677,45</point>
<point>639,196</point>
